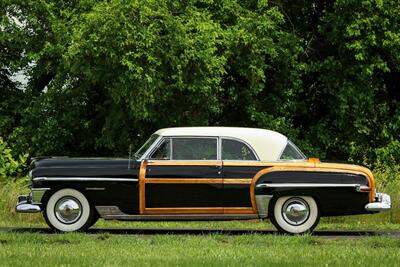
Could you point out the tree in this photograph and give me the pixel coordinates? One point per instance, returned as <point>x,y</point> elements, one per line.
<point>103,75</point>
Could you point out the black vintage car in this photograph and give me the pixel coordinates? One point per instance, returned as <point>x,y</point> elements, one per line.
<point>202,173</point>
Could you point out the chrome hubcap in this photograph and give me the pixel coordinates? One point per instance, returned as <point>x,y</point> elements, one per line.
<point>295,211</point>
<point>68,210</point>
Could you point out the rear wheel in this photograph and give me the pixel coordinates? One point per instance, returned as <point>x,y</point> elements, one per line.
<point>68,210</point>
<point>295,214</point>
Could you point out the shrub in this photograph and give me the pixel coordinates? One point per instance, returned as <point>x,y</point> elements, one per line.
<point>9,165</point>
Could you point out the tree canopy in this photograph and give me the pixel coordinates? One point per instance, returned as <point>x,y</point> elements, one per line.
<point>105,74</point>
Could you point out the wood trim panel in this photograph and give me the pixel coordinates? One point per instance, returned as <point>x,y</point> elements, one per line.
<point>142,176</point>
<point>267,163</point>
<point>198,181</point>
<point>184,163</point>
<point>237,180</point>
<point>185,210</point>
<point>183,181</point>
<point>196,210</point>
<point>239,210</point>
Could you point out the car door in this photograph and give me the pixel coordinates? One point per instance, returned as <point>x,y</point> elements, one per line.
<point>239,167</point>
<point>182,175</point>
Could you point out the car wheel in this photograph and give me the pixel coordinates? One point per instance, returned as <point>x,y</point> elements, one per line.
<point>295,214</point>
<point>68,210</point>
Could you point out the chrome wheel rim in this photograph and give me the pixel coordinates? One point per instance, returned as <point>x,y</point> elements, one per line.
<point>68,210</point>
<point>295,211</point>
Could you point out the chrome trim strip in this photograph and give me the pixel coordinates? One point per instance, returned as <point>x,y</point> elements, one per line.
<point>95,188</point>
<point>278,185</point>
<point>87,179</point>
<point>40,189</point>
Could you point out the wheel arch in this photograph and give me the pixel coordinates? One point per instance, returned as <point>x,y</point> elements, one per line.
<point>58,187</point>
<point>293,175</point>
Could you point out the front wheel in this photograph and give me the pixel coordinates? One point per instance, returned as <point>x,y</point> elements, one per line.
<point>68,210</point>
<point>295,214</point>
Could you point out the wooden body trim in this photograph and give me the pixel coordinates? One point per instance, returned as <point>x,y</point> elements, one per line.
<point>198,180</point>
<point>183,163</point>
<point>201,210</point>
<point>322,167</point>
<point>309,166</point>
<point>142,176</point>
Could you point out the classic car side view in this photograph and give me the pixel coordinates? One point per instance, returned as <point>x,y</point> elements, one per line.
<point>201,173</point>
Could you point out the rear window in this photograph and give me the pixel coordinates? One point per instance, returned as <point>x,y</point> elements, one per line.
<point>292,152</point>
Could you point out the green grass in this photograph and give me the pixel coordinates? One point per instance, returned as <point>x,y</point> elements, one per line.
<point>78,249</point>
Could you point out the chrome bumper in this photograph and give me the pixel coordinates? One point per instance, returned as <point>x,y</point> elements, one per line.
<point>24,205</point>
<point>382,203</point>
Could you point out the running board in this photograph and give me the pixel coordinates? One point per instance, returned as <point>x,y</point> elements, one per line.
<point>114,213</point>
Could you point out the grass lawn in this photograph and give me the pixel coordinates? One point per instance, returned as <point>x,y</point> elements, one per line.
<point>105,249</point>
<point>77,249</point>
<point>356,223</point>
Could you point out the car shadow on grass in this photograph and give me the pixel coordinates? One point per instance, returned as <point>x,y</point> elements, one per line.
<point>164,231</point>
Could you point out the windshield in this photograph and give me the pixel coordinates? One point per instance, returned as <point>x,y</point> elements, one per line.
<point>146,146</point>
<point>292,152</point>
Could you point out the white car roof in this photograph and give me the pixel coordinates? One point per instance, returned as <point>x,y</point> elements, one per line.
<point>266,143</point>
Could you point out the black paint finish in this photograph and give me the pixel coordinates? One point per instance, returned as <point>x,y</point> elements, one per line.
<point>72,167</point>
<point>238,195</point>
<point>233,172</point>
<point>184,195</point>
<point>125,194</point>
<point>171,171</point>
<point>331,200</point>
<point>312,177</point>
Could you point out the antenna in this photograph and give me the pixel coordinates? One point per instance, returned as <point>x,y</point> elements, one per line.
<point>130,154</point>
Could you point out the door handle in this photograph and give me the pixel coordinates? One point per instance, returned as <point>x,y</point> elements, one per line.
<point>217,167</point>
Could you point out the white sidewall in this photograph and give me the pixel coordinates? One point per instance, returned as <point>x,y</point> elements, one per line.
<point>51,216</point>
<point>307,225</point>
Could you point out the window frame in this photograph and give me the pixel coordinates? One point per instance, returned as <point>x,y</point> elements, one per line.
<point>159,142</point>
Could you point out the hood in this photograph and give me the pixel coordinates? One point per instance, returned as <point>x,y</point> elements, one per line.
<point>82,167</point>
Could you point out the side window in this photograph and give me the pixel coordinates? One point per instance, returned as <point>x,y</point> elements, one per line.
<point>194,148</point>
<point>236,150</point>
<point>163,152</point>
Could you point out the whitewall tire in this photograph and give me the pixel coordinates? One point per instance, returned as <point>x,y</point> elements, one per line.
<point>295,214</point>
<point>68,210</point>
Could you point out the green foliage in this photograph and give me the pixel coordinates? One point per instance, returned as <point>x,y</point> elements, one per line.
<point>105,74</point>
<point>9,165</point>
